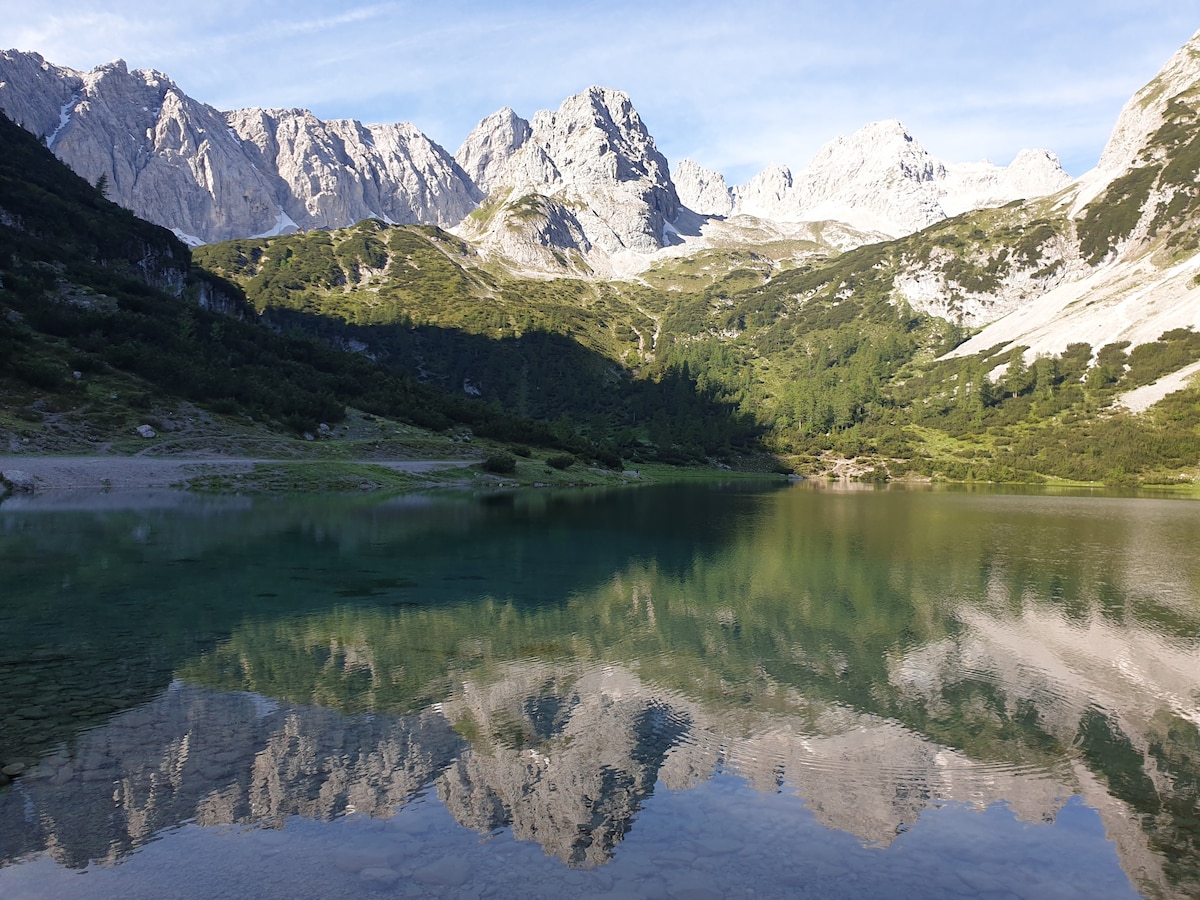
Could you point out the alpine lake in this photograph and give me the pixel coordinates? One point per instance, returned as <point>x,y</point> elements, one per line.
<point>739,690</point>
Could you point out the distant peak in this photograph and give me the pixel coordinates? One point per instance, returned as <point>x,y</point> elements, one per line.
<point>609,102</point>
<point>882,130</point>
<point>597,90</point>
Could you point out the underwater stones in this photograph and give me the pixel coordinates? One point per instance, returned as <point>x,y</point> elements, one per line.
<point>13,481</point>
<point>352,860</point>
<point>446,872</point>
<point>379,876</point>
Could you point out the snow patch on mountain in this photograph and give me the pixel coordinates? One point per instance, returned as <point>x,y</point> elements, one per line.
<point>283,225</point>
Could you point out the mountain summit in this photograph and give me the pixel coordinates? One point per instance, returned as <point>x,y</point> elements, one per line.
<point>593,165</point>
<point>880,179</point>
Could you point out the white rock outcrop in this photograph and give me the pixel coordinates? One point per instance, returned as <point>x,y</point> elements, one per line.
<point>593,156</point>
<point>490,145</point>
<point>702,190</point>
<point>880,179</point>
<point>331,174</point>
<point>1146,110</point>
<point>579,187</point>
<point>984,185</point>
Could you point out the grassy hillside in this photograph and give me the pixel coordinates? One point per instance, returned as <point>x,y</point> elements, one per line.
<point>826,359</point>
<point>564,351</point>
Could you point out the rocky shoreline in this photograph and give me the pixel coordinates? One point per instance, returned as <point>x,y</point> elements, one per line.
<point>35,474</point>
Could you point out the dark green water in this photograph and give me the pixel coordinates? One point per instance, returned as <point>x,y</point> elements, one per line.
<point>676,692</point>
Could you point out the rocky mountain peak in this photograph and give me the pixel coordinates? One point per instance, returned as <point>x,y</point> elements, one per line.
<point>877,179</point>
<point>490,145</point>
<point>211,175</point>
<point>36,94</point>
<point>597,134</point>
<point>1147,110</point>
<point>702,190</point>
<point>879,150</point>
<point>593,156</point>
<point>882,180</point>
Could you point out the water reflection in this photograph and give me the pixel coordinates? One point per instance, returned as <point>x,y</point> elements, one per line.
<point>545,665</point>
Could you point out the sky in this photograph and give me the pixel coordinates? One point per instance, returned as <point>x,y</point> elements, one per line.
<point>733,86</point>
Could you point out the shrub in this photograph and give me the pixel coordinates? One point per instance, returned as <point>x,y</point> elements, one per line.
<point>608,459</point>
<point>561,461</point>
<point>500,464</point>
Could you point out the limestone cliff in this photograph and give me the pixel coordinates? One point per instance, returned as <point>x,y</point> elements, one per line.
<point>211,175</point>
<point>592,156</point>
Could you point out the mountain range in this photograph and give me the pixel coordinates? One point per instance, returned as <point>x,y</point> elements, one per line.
<point>557,268</point>
<point>586,178</point>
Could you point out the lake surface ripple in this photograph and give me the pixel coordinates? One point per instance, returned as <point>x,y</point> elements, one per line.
<point>666,692</point>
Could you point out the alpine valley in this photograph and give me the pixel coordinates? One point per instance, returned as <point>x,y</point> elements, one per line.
<point>557,284</point>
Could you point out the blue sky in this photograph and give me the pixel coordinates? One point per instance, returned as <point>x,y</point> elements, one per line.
<point>734,86</point>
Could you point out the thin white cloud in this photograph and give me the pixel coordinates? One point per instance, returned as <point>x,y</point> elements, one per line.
<point>325,23</point>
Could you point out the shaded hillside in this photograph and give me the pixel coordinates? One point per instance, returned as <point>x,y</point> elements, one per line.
<point>105,324</point>
<point>562,351</point>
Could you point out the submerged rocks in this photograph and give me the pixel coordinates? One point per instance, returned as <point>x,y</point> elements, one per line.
<point>15,482</point>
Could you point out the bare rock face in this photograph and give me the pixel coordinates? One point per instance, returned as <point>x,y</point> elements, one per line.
<point>165,156</point>
<point>1146,111</point>
<point>35,94</point>
<point>582,188</point>
<point>535,233</point>
<point>880,179</point>
<point>211,175</point>
<point>983,185</point>
<point>490,145</point>
<point>593,156</point>
<point>702,190</point>
<point>332,174</point>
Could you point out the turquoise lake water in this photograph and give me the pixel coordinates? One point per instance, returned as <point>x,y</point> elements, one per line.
<point>733,691</point>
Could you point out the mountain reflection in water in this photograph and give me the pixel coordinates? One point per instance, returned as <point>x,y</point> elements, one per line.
<point>544,665</point>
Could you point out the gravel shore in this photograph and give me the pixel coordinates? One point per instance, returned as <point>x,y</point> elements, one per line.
<point>144,472</point>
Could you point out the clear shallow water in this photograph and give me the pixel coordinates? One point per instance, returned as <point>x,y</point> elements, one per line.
<point>660,693</point>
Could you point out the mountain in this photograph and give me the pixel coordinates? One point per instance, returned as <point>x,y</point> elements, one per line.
<point>840,349</point>
<point>881,179</point>
<point>702,190</point>
<point>210,175</point>
<point>1134,219</point>
<point>105,324</point>
<point>584,176</point>
<point>581,189</point>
